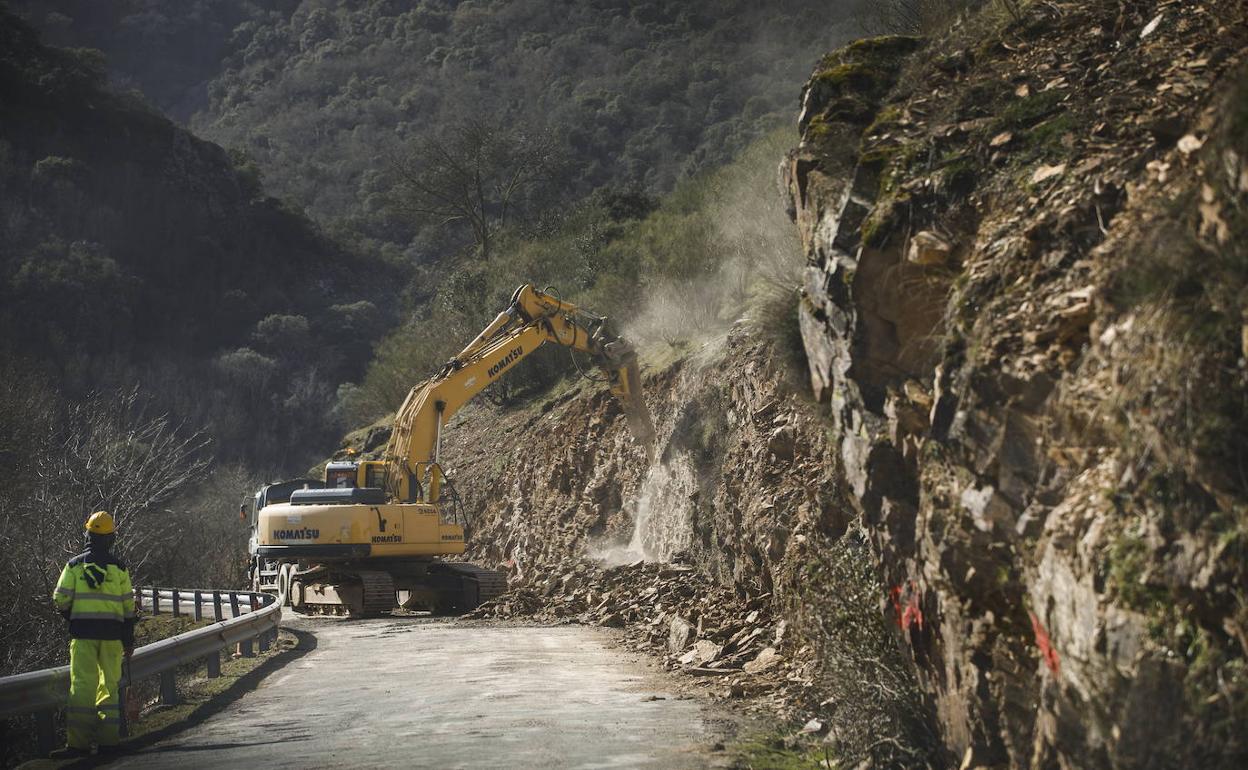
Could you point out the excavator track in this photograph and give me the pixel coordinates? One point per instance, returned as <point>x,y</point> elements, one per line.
<point>378,594</point>
<point>479,585</point>
<point>362,594</point>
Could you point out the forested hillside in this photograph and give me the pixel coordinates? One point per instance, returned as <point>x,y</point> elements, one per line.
<point>328,97</point>
<point>133,252</point>
<point>168,50</point>
<point>169,335</point>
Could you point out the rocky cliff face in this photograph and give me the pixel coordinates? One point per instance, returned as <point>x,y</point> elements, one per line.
<point>1024,307</point>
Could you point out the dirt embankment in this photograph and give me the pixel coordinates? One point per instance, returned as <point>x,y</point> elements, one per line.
<point>1026,310</point>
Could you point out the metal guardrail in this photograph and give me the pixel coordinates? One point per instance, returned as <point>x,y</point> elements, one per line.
<point>241,618</point>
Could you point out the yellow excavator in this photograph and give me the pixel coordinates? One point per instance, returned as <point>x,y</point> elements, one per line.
<point>376,534</point>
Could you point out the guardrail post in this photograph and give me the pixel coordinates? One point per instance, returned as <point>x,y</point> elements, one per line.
<point>168,688</point>
<point>214,664</point>
<point>244,649</point>
<point>123,728</point>
<point>45,731</point>
<point>264,641</point>
<point>216,606</point>
<point>177,604</point>
<point>234,603</point>
<point>155,601</point>
<point>199,611</point>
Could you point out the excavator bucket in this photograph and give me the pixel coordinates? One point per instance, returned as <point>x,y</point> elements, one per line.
<point>621,366</point>
<point>635,411</point>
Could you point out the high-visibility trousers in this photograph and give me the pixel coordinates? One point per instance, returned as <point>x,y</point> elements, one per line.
<point>94,711</point>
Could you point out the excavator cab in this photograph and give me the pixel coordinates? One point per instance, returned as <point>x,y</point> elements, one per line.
<point>369,474</point>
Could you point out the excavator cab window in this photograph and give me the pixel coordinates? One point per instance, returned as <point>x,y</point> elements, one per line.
<point>375,475</point>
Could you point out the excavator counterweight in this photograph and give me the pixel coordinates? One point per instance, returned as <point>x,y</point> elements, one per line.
<point>375,534</point>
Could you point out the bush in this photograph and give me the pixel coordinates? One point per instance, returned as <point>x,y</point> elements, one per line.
<point>105,452</point>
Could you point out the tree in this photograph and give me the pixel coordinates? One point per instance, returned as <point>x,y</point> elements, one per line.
<point>479,175</point>
<point>103,452</point>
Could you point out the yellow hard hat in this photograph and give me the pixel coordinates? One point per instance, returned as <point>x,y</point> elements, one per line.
<point>100,523</point>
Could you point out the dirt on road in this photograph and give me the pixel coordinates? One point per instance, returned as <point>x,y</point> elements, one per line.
<point>420,692</point>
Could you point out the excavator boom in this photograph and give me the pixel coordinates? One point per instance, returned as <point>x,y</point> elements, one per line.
<point>533,319</point>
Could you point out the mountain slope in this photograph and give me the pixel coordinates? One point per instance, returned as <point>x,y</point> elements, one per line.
<point>170,50</point>
<point>131,249</point>
<point>636,94</point>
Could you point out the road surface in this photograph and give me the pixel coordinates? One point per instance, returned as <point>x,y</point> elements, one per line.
<point>414,692</point>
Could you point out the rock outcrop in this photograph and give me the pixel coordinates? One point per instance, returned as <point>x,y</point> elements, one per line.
<point>1024,309</point>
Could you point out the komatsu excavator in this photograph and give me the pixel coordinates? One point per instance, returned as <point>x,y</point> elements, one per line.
<point>376,534</point>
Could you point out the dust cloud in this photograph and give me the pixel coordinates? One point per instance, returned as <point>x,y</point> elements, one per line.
<point>750,241</point>
<point>663,521</point>
<point>759,260</point>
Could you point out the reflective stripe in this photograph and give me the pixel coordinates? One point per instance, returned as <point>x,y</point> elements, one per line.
<point>111,721</point>
<point>76,615</point>
<point>108,707</point>
<point>81,709</point>
<point>65,591</point>
<point>99,597</point>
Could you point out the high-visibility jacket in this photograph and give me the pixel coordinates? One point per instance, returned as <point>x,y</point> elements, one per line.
<point>95,594</point>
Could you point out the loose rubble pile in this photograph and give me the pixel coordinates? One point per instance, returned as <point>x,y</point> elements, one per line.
<point>735,647</point>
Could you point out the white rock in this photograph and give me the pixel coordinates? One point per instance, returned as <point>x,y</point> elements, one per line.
<point>928,248</point>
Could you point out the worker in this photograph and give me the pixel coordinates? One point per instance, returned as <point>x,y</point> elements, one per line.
<point>95,595</point>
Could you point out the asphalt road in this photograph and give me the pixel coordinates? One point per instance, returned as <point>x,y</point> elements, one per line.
<point>411,692</point>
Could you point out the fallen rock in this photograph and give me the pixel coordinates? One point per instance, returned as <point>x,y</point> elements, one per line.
<point>1045,173</point>
<point>703,671</point>
<point>766,659</point>
<point>782,443</point>
<point>927,248</point>
<point>680,631</point>
<point>703,651</point>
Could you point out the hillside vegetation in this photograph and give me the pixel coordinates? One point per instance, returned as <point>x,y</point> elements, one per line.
<point>131,251</point>
<point>635,94</point>
<point>668,272</point>
<point>168,50</point>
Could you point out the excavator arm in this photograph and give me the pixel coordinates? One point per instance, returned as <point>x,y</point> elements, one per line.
<point>533,319</point>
